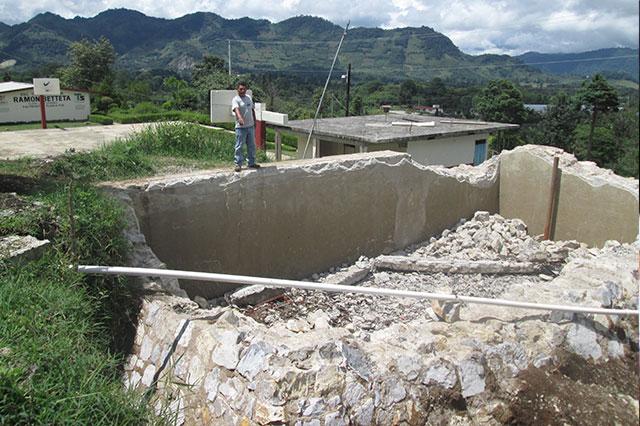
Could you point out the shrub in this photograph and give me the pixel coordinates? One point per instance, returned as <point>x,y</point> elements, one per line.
<point>100,119</point>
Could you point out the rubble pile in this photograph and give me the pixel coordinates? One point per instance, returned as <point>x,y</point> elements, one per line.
<point>492,237</point>
<point>484,237</point>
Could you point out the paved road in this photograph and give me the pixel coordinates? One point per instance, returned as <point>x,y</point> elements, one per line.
<point>43,143</point>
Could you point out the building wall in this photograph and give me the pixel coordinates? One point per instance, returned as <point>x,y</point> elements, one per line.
<point>290,220</point>
<point>23,107</point>
<point>445,151</point>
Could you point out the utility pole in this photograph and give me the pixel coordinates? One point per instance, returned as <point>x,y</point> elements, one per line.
<point>348,89</point>
<point>229,54</point>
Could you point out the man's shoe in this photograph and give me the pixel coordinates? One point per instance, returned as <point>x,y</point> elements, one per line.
<point>254,166</point>
<point>237,168</point>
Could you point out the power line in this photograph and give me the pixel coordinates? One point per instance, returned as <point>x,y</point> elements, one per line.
<point>404,67</point>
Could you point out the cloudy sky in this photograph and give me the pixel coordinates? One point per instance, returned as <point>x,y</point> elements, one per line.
<point>476,26</point>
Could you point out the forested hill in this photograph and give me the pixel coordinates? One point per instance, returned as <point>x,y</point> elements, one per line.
<point>620,63</point>
<point>302,45</point>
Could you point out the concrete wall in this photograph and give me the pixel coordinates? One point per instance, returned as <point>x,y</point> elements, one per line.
<point>594,205</point>
<point>446,151</point>
<point>292,219</point>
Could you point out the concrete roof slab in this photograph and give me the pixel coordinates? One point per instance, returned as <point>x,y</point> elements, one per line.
<point>379,128</point>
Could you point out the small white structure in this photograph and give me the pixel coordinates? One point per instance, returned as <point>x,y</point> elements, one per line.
<point>429,140</point>
<point>220,105</point>
<point>19,104</point>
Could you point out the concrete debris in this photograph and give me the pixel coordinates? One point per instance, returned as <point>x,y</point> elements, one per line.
<point>252,295</point>
<point>16,248</point>
<point>434,266</point>
<point>446,311</point>
<point>493,238</point>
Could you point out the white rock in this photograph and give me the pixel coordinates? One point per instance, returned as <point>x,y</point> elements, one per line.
<point>615,349</point>
<point>254,359</point>
<point>314,407</point>
<point>227,351</point>
<point>440,374</point>
<point>298,325</point>
<point>471,377</point>
<point>583,341</point>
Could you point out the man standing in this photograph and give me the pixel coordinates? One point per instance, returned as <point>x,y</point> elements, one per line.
<point>244,112</point>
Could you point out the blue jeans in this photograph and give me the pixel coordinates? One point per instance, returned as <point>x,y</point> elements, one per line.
<point>245,135</point>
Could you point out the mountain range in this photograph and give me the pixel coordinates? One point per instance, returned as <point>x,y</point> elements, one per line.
<point>301,45</point>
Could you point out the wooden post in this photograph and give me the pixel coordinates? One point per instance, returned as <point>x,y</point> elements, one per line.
<point>348,89</point>
<point>553,191</point>
<point>278,145</point>
<point>43,112</point>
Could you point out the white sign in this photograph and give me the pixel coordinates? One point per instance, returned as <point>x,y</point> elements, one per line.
<point>46,86</point>
<point>221,105</point>
<point>23,106</point>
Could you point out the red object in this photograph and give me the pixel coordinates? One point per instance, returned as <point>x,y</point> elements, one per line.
<point>261,134</point>
<point>43,113</point>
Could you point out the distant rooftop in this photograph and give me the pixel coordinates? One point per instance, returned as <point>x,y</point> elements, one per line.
<point>12,86</point>
<point>379,128</point>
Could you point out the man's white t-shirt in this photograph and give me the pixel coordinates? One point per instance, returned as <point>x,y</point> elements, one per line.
<point>245,104</point>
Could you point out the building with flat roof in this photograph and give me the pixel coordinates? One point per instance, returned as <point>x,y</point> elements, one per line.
<point>18,104</point>
<point>429,140</point>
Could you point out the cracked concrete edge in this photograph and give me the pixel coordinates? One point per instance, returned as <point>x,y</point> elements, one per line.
<point>588,171</point>
<point>483,175</point>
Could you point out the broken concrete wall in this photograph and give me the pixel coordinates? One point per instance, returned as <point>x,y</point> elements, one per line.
<point>594,205</point>
<point>291,219</point>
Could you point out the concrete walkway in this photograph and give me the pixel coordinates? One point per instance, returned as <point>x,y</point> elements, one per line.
<point>43,143</point>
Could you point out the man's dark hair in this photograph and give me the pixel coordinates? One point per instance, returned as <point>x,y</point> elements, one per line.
<point>241,83</point>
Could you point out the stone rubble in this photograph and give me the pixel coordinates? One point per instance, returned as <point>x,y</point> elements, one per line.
<point>317,358</point>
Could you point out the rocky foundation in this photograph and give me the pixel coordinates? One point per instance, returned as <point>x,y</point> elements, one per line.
<point>322,358</point>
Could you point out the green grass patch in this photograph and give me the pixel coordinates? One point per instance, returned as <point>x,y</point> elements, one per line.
<point>60,331</point>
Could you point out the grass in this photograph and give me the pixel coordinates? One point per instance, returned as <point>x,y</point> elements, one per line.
<point>60,331</point>
<point>50,125</point>
<point>166,146</point>
<point>63,335</point>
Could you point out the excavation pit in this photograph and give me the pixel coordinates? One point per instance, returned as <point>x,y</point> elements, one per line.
<point>319,358</point>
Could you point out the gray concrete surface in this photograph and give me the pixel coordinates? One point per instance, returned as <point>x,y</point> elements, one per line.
<point>378,128</point>
<point>42,143</point>
<point>293,218</point>
<point>593,205</point>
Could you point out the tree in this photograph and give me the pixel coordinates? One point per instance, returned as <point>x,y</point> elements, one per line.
<point>599,97</point>
<point>558,123</point>
<point>182,95</point>
<point>407,91</point>
<point>209,65</point>
<point>90,66</point>
<point>501,101</point>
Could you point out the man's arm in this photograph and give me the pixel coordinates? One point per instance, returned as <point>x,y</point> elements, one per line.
<point>238,116</point>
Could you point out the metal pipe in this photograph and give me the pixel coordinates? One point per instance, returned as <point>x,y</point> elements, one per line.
<point>315,117</point>
<point>373,291</point>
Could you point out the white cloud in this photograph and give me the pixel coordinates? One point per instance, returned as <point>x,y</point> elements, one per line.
<point>476,26</point>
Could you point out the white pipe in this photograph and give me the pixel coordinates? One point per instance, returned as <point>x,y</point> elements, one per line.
<point>374,291</point>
